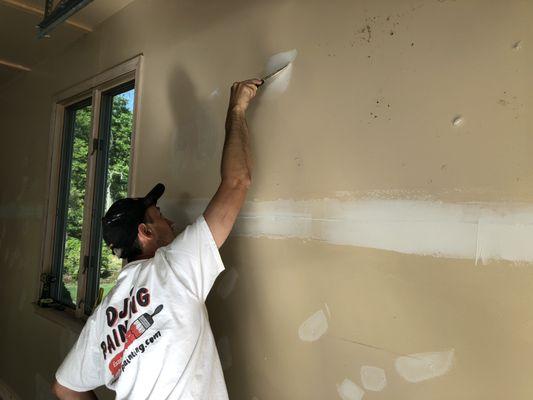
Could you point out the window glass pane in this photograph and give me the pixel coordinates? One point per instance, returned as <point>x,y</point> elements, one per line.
<point>117,176</point>
<point>75,202</point>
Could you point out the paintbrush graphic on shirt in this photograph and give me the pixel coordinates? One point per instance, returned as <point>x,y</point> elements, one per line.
<point>137,328</point>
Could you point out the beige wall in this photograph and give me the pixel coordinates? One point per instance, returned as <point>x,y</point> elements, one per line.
<point>444,58</point>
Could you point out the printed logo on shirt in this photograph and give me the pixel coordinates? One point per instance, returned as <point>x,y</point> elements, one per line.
<point>138,327</point>
<point>120,333</point>
<point>126,360</point>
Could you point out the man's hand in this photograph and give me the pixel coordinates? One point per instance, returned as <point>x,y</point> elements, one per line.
<point>242,93</point>
<point>236,169</point>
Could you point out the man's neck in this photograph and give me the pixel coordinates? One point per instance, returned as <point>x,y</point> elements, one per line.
<point>143,257</point>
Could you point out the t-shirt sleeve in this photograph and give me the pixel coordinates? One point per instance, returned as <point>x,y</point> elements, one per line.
<point>194,256</point>
<point>81,370</point>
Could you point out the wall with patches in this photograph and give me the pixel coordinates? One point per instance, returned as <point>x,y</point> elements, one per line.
<point>384,252</point>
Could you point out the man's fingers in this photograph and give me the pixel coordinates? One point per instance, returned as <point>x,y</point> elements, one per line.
<point>252,86</point>
<point>244,91</point>
<point>255,81</point>
<point>247,85</point>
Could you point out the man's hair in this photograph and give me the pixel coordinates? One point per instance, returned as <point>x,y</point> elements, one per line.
<point>135,250</point>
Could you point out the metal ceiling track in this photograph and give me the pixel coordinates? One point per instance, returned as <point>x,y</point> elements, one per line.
<point>53,16</point>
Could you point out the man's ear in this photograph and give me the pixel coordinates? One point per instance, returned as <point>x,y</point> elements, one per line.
<point>144,232</point>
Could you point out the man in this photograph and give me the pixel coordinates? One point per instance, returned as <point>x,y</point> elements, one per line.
<point>150,338</point>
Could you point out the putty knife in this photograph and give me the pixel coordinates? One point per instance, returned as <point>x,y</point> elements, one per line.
<point>273,74</point>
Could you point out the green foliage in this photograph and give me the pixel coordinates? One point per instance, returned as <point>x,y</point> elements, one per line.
<point>71,262</point>
<point>110,265</point>
<point>119,149</point>
<point>78,174</point>
<point>78,178</point>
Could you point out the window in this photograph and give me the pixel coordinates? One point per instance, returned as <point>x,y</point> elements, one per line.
<point>93,141</point>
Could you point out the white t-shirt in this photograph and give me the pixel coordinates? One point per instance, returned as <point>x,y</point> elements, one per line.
<point>150,338</point>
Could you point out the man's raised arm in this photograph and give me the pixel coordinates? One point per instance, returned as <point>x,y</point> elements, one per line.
<point>236,168</point>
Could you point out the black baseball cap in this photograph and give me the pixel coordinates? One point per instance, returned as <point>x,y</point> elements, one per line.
<point>120,223</point>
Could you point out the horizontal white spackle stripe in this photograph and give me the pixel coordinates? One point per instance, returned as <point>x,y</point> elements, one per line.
<point>478,231</point>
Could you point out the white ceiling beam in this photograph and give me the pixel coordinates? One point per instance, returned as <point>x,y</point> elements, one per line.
<point>14,66</point>
<point>29,8</point>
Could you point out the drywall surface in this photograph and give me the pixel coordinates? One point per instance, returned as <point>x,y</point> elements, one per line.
<point>383,251</point>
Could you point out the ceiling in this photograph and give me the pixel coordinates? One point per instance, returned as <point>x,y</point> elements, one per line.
<point>18,35</point>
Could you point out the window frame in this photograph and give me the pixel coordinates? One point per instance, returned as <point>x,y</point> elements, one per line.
<point>97,88</point>
<point>65,171</point>
<point>98,200</point>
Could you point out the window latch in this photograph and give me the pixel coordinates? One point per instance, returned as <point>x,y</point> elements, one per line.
<point>86,261</point>
<point>97,145</point>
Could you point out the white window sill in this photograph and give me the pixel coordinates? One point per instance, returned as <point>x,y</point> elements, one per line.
<point>61,318</point>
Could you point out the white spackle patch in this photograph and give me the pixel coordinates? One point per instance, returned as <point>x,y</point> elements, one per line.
<point>422,366</point>
<point>343,194</point>
<point>280,82</point>
<point>227,283</point>
<point>373,378</point>
<point>214,93</point>
<point>327,309</point>
<point>313,327</point>
<point>350,391</point>
<point>224,352</point>
<point>483,231</point>
<point>458,120</point>
<point>477,231</point>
